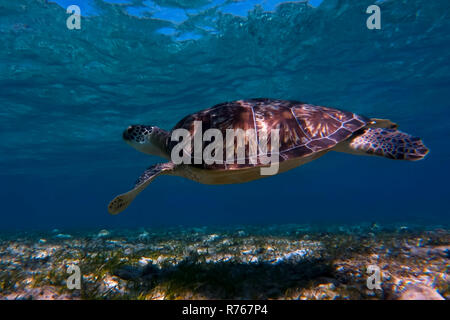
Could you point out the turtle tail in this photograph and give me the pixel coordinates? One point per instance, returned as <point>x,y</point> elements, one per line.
<point>388,143</point>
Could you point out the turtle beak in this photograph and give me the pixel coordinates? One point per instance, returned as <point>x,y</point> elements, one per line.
<point>127,133</point>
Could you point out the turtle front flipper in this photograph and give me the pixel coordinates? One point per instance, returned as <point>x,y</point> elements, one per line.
<point>121,202</point>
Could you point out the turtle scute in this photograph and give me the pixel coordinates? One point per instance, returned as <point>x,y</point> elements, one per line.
<point>304,129</point>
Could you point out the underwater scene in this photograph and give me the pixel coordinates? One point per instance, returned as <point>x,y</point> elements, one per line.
<point>347,101</point>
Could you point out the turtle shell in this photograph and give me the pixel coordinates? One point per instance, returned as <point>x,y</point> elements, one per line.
<point>304,129</point>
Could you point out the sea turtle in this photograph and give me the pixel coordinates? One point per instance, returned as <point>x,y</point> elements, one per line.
<point>306,132</point>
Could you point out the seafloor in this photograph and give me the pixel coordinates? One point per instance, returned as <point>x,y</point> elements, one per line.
<point>243,262</point>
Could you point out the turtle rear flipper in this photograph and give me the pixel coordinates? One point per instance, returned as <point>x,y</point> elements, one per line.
<point>389,143</point>
<point>121,202</point>
<point>382,123</point>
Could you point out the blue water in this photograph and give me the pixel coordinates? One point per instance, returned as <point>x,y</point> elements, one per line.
<point>67,95</point>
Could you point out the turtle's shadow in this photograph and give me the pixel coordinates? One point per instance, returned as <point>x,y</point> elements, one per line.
<point>228,280</point>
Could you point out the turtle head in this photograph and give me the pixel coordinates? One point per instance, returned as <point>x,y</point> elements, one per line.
<point>147,139</point>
